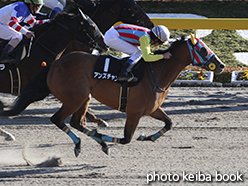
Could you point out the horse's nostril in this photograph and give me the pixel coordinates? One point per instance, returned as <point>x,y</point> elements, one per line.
<point>222,66</point>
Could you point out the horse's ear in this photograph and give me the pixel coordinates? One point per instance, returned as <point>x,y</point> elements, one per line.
<point>82,14</point>
<point>193,40</point>
<point>195,33</point>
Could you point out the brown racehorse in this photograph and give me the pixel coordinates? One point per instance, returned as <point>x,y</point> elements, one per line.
<point>105,14</point>
<point>70,80</point>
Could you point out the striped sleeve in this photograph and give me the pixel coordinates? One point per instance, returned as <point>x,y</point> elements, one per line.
<point>32,21</point>
<point>13,23</point>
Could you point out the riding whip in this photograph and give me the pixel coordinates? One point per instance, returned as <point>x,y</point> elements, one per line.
<point>30,45</point>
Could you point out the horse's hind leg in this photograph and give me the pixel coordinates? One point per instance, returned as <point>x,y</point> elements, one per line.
<point>160,115</point>
<point>92,118</point>
<point>132,122</point>
<point>78,121</point>
<point>58,119</point>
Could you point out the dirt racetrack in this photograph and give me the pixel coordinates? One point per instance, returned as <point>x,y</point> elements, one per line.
<point>208,144</point>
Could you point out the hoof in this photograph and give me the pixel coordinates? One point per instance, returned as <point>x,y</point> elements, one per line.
<point>103,124</point>
<point>9,137</point>
<point>142,137</point>
<point>77,148</point>
<point>105,150</point>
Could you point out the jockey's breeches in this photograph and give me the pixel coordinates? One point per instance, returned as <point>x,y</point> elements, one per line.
<point>113,40</point>
<point>8,33</point>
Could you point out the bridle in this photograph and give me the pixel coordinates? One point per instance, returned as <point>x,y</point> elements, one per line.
<point>82,28</point>
<point>194,50</point>
<point>198,58</point>
<point>92,39</point>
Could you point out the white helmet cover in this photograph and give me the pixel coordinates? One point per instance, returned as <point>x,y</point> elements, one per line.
<point>162,33</point>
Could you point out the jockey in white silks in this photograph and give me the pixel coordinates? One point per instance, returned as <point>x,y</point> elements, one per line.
<point>10,29</point>
<point>136,41</point>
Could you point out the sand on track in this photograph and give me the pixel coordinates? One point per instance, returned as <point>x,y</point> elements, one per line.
<point>209,135</point>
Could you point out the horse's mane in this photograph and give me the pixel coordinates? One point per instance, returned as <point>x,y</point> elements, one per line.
<point>41,28</point>
<point>173,46</point>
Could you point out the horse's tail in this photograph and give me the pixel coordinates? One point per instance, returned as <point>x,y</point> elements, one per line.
<point>35,90</point>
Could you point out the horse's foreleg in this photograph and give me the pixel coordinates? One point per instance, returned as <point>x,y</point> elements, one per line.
<point>160,115</point>
<point>58,119</point>
<point>78,121</point>
<point>7,135</point>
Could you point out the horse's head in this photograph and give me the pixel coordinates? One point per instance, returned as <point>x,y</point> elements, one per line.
<point>76,27</point>
<point>202,55</point>
<point>133,14</point>
<point>92,34</point>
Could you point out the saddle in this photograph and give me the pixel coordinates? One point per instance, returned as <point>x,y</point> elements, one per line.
<point>20,52</point>
<point>108,67</point>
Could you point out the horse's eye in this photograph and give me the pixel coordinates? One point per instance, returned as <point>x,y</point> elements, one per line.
<point>204,51</point>
<point>134,9</point>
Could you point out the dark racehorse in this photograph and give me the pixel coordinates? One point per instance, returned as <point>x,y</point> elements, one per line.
<point>105,14</point>
<point>108,12</point>
<point>70,80</point>
<point>127,11</point>
<point>51,39</point>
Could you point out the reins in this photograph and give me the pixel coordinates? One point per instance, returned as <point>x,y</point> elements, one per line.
<point>94,13</point>
<point>43,46</point>
<point>182,63</point>
<point>92,42</point>
<point>156,80</point>
<point>178,61</point>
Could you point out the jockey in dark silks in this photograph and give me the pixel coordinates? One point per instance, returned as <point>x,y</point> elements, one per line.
<point>85,3</point>
<point>56,6</point>
<point>59,5</point>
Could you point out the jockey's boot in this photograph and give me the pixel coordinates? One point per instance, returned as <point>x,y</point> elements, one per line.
<point>5,57</point>
<point>126,74</point>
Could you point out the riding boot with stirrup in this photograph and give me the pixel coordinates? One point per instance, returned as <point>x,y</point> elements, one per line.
<point>5,57</point>
<point>126,74</point>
